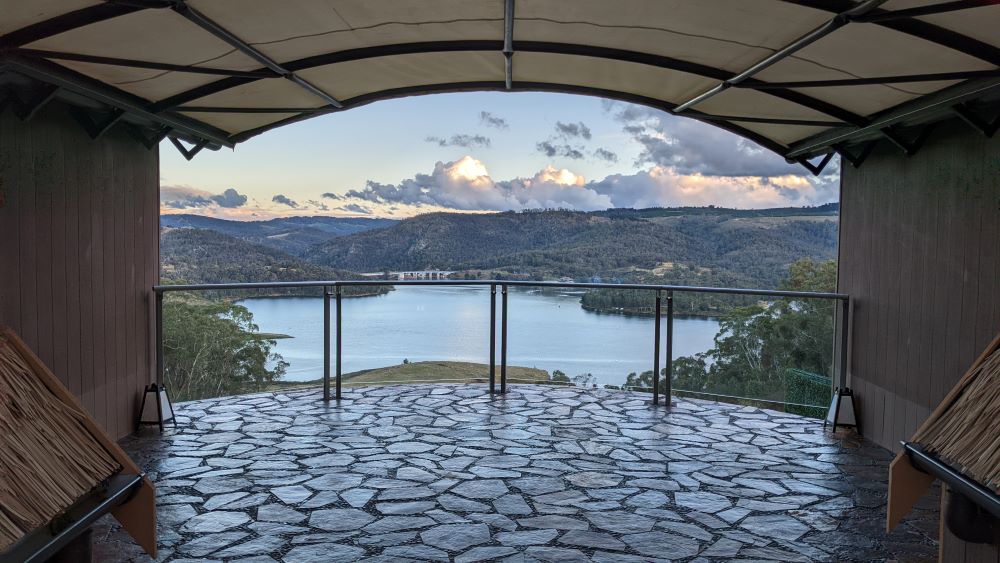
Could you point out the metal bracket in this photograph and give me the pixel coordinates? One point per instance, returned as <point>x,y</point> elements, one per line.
<point>189,153</point>
<point>508,43</point>
<point>26,110</point>
<point>146,141</point>
<point>908,147</point>
<point>816,169</point>
<point>858,159</point>
<point>204,22</point>
<point>976,121</point>
<point>95,128</point>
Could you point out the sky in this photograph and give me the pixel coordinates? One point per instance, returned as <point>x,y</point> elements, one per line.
<point>483,152</point>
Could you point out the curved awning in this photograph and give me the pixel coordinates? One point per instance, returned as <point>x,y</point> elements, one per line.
<point>800,77</point>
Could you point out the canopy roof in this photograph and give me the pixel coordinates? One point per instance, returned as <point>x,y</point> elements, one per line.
<point>801,77</point>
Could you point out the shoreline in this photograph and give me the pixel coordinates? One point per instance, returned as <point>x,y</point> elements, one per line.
<point>626,312</point>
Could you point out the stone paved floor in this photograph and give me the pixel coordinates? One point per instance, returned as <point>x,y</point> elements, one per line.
<point>545,474</point>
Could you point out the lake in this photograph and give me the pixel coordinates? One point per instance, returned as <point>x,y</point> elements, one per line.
<point>546,330</point>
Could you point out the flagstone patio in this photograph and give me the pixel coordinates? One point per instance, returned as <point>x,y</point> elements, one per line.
<point>444,472</point>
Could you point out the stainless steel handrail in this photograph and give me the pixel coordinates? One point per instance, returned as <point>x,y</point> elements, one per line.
<point>332,288</point>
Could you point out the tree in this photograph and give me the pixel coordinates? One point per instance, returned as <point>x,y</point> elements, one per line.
<point>775,350</point>
<point>212,348</point>
<point>559,376</point>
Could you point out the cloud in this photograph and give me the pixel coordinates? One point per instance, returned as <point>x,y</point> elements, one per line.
<point>466,185</point>
<point>356,208</point>
<point>549,149</point>
<point>331,195</point>
<point>279,198</point>
<point>467,141</point>
<point>186,197</point>
<point>663,186</point>
<point>606,155</point>
<point>578,129</point>
<point>489,120</point>
<point>693,147</point>
<point>230,198</point>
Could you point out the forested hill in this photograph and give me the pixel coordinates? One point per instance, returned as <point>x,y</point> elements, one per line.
<point>203,256</point>
<point>727,246</point>
<point>294,235</point>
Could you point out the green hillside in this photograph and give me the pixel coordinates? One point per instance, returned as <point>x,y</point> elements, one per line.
<point>197,256</point>
<point>729,246</point>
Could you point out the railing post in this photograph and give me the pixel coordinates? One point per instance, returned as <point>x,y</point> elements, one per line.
<point>669,376</point>
<point>326,344</point>
<point>656,350</point>
<point>158,314</point>
<point>340,332</point>
<point>493,338</point>
<point>845,339</point>
<point>503,339</point>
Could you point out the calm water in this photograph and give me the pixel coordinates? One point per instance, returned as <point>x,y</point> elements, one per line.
<point>545,330</point>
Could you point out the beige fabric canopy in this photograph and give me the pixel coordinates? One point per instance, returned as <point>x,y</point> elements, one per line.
<point>798,77</point>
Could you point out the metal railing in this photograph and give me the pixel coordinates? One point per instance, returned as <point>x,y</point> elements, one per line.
<point>333,290</point>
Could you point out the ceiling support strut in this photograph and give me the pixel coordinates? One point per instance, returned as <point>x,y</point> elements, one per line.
<point>508,42</point>
<point>150,142</point>
<point>26,109</point>
<point>976,121</point>
<point>876,80</point>
<point>838,21</point>
<point>928,10</point>
<point>189,153</point>
<point>856,160</point>
<point>816,169</point>
<point>903,22</point>
<point>95,128</point>
<point>909,147</point>
<point>133,63</point>
<point>215,29</point>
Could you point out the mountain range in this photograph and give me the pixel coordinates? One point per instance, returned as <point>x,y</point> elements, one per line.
<point>294,235</point>
<point>704,246</point>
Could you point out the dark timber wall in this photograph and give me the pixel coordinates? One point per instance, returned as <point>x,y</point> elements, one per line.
<point>79,250</point>
<point>920,254</point>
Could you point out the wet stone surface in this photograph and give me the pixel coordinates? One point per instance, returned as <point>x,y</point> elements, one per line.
<point>433,472</point>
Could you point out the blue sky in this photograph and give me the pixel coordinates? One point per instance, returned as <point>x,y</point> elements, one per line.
<point>477,152</point>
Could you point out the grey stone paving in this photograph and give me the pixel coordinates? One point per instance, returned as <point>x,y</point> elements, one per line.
<point>438,472</point>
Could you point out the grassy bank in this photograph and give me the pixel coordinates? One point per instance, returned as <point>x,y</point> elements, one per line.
<point>429,372</point>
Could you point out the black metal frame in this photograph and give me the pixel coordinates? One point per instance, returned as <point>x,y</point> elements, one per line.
<point>521,86</point>
<point>504,285</point>
<point>155,388</point>
<point>95,128</point>
<point>838,21</point>
<point>816,169</point>
<point>53,74</point>
<point>44,542</point>
<point>937,106</point>
<point>838,396</point>
<point>850,129</point>
<point>206,23</point>
<point>188,153</point>
<point>856,160</point>
<point>976,121</point>
<point>623,55</point>
<point>508,42</point>
<point>931,464</point>
<point>903,21</point>
<point>908,146</point>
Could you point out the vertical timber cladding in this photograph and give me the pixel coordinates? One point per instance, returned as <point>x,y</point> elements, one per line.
<point>920,255</point>
<point>79,252</point>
